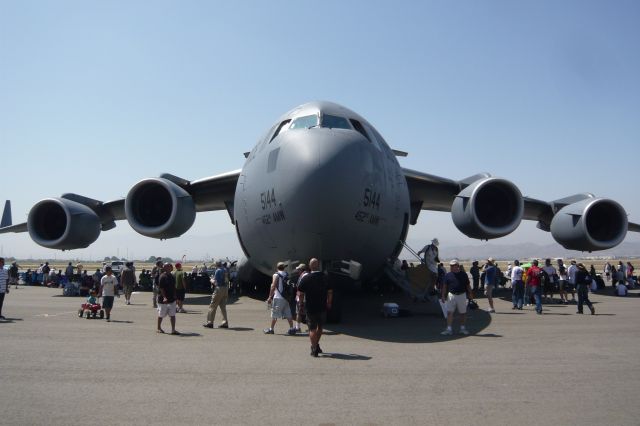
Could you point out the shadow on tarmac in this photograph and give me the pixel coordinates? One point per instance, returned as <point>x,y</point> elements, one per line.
<point>10,320</point>
<point>423,323</point>
<point>345,357</point>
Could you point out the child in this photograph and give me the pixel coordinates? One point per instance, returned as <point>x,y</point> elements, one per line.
<point>92,298</point>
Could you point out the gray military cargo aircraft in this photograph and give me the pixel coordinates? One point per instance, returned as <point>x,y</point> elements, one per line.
<point>323,183</point>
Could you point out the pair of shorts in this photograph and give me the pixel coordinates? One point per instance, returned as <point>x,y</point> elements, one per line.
<point>280,309</point>
<point>165,309</point>
<point>488,290</point>
<point>107,302</point>
<point>316,320</point>
<point>180,294</point>
<point>457,301</point>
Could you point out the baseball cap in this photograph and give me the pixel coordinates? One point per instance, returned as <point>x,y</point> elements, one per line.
<point>281,264</point>
<point>454,262</point>
<point>301,266</point>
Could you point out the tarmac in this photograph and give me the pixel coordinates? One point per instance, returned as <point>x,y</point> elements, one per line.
<point>515,368</point>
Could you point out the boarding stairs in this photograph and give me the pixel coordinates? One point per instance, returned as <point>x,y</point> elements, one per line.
<point>414,281</point>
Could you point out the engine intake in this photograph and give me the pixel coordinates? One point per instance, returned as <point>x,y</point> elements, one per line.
<point>159,208</point>
<point>488,208</point>
<point>62,224</point>
<point>590,225</point>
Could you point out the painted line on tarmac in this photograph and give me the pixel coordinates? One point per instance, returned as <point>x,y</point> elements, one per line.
<point>56,315</point>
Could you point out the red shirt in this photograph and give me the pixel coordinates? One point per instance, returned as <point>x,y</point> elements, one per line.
<point>534,276</point>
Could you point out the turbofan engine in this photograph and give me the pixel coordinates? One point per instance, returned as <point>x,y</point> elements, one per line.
<point>591,224</point>
<point>62,224</point>
<point>488,208</point>
<point>159,208</point>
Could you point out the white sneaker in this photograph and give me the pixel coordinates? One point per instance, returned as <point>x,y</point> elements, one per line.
<point>464,331</point>
<point>447,332</point>
<point>491,311</point>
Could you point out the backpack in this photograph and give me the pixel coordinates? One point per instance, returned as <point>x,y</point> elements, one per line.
<point>287,287</point>
<point>544,277</point>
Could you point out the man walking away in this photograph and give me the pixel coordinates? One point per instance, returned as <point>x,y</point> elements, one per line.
<point>181,287</point>
<point>454,293</point>
<point>167,298</point>
<point>533,282</point>
<point>583,282</point>
<point>4,284</point>
<point>490,279</point>
<point>155,276</point>
<point>128,280</point>
<point>517,285</point>
<point>318,297</point>
<point>13,275</point>
<point>279,304</point>
<point>218,298</point>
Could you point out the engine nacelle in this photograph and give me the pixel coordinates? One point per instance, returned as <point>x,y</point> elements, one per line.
<point>159,208</point>
<point>62,224</point>
<point>589,225</point>
<point>488,208</point>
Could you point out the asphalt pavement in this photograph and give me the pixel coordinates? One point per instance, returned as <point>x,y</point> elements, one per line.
<point>515,368</point>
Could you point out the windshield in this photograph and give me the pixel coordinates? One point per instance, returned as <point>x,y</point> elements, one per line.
<point>304,122</point>
<point>334,122</point>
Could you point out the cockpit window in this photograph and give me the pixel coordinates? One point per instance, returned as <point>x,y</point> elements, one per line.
<point>358,126</point>
<point>281,127</point>
<point>305,122</point>
<point>334,122</point>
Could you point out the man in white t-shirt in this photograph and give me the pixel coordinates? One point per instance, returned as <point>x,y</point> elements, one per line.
<point>108,284</point>
<point>280,307</point>
<point>517,284</point>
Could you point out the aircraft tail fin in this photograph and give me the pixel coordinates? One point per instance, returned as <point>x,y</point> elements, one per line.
<point>6,215</point>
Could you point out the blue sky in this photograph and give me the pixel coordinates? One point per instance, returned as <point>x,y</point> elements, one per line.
<point>95,96</point>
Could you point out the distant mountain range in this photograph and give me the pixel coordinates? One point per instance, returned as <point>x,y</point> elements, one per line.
<point>528,251</point>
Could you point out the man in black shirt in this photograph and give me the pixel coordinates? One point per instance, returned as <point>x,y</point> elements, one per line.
<point>318,296</point>
<point>167,298</point>
<point>454,296</point>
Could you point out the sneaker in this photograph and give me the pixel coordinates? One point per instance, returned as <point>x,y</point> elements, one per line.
<point>491,311</point>
<point>108,319</point>
<point>1,317</point>
<point>225,325</point>
<point>318,349</point>
<point>296,329</point>
<point>314,352</point>
<point>291,332</point>
<point>464,331</point>
<point>579,312</point>
<point>208,325</point>
<point>268,331</point>
<point>447,332</point>
<point>593,310</point>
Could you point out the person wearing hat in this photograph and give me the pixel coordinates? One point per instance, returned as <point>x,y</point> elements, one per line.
<point>431,260</point>
<point>181,287</point>
<point>455,289</point>
<point>583,281</point>
<point>280,307</point>
<point>128,281</point>
<point>218,298</point>
<point>490,278</point>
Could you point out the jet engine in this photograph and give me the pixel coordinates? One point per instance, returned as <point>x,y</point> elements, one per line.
<point>62,224</point>
<point>590,224</point>
<point>159,208</point>
<point>488,208</point>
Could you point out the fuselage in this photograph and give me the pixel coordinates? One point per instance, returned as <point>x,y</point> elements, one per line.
<point>321,183</point>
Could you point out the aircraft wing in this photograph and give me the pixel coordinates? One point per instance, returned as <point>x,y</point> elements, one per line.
<point>486,207</point>
<point>79,213</point>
